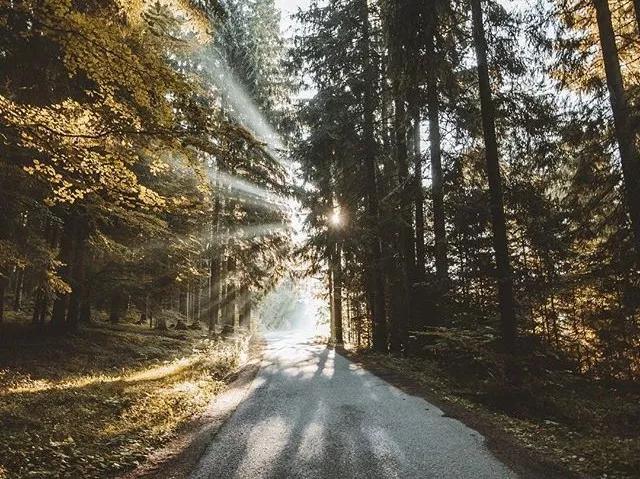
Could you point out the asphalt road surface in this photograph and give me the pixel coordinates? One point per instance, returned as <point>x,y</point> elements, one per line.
<point>311,413</point>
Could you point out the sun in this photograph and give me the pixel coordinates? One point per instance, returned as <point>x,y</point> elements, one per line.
<point>335,218</point>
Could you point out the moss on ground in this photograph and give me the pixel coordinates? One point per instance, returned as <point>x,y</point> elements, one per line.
<point>95,403</point>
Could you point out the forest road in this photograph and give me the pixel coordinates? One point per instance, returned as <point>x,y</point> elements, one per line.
<point>311,413</point>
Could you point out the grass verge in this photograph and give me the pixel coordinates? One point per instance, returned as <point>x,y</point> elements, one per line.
<point>96,403</point>
<point>570,423</point>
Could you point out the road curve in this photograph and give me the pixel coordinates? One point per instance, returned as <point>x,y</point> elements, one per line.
<point>311,413</point>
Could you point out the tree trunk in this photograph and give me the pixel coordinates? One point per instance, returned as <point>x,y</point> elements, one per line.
<point>214,293</point>
<point>78,276</point>
<point>17,297</point>
<point>400,133</point>
<point>229,308</point>
<point>399,325</point>
<point>376,281</point>
<point>412,17</point>
<point>397,308</point>
<point>41,299</point>
<point>439,230</point>
<point>336,270</point>
<point>215,268</point>
<point>621,117</point>
<point>161,322</point>
<point>417,302</point>
<point>115,307</point>
<point>404,281</point>
<point>636,8</point>
<point>500,244</point>
<point>419,198</point>
<point>85,306</point>
<point>59,313</point>
<point>39,306</point>
<point>244,315</point>
<point>197,317</point>
<point>189,302</point>
<point>3,287</point>
<point>233,306</point>
<point>182,302</point>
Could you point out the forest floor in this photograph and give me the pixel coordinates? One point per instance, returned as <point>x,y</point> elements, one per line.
<point>96,403</point>
<point>563,425</point>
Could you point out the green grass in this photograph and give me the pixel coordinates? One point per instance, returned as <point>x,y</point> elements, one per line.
<point>95,403</point>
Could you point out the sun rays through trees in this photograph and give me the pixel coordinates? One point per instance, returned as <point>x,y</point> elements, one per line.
<point>454,181</point>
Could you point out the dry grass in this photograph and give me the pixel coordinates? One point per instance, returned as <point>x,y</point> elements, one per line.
<point>96,403</point>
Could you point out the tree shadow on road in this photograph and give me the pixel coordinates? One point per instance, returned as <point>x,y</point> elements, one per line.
<point>314,414</point>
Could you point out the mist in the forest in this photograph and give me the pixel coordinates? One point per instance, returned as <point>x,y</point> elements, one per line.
<point>297,306</point>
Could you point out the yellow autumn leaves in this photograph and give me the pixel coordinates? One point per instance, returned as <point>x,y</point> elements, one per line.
<point>580,17</point>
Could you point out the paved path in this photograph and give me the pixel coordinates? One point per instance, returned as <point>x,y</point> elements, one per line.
<point>311,413</point>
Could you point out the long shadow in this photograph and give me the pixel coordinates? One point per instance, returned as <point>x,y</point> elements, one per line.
<point>313,414</point>
<point>221,461</point>
<point>303,414</point>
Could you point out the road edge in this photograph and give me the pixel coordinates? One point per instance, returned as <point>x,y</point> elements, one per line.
<point>526,463</point>
<point>178,458</point>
